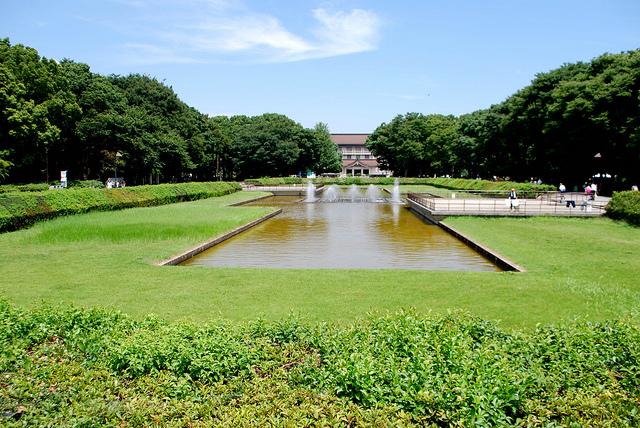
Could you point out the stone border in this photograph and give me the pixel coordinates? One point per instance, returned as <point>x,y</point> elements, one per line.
<point>499,260</point>
<point>237,204</point>
<point>492,255</point>
<point>176,260</point>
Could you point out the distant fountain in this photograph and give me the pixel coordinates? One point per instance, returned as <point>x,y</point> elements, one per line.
<point>373,193</point>
<point>354,192</point>
<point>395,194</point>
<point>331,193</point>
<point>395,211</point>
<point>311,192</point>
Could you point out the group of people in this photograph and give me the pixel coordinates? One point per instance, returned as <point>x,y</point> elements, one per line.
<point>590,189</point>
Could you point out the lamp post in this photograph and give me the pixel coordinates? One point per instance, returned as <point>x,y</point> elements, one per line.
<point>115,167</point>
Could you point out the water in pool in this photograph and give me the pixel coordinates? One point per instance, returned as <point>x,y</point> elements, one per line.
<point>342,235</point>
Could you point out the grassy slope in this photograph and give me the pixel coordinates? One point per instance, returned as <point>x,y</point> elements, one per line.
<point>576,268</point>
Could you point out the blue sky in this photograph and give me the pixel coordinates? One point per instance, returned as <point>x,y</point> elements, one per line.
<point>350,63</point>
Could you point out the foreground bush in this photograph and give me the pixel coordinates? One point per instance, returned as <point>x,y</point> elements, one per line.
<point>94,367</point>
<point>20,209</point>
<point>625,206</point>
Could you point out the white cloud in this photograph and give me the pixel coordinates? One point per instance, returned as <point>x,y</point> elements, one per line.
<point>344,33</point>
<point>240,34</point>
<point>226,30</point>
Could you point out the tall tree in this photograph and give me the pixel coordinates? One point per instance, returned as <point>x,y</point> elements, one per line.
<point>329,159</point>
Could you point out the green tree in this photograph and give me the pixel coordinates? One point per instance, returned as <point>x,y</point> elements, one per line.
<point>329,159</point>
<point>266,145</point>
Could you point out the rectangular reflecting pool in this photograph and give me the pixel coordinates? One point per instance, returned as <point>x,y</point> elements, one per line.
<point>343,235</point>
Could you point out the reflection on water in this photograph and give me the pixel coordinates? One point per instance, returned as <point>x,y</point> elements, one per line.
<point>343,235</point>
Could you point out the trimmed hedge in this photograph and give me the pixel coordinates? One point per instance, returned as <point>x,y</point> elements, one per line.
<point>274,181</point>
<point>21,209</point>
<point>83,184</point>
<point>66,366</point>
<point>470,184</point>
<point>444,183</point>
<point>33,187</point>
<point>625,206</point>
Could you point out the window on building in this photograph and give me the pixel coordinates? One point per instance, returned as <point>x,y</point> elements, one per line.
<point>365,172</point>
<point>349,171</point>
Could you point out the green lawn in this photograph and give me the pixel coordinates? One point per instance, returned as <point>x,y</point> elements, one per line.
<point>576,268</point>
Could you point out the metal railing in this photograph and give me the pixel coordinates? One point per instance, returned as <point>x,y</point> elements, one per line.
<point>497,203</point>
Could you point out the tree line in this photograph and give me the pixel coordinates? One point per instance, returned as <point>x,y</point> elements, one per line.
<point>61,116</point>
<point>569,124</point>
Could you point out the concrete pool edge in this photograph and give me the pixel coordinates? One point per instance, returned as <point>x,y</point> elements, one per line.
<point>176,260</point>
<point>496,258</point>
<point>248,201</point>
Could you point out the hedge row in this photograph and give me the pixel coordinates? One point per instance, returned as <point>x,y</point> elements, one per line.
<point>41,187</point>
<point>470,184</point>
<point>275,181</point>
<point>445,183</point>
<point>625,206</point>
<point>20,209</point>
<point>33,187</point>
<point>93,367</point>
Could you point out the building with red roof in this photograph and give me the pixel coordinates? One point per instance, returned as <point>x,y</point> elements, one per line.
<point>357,160</point>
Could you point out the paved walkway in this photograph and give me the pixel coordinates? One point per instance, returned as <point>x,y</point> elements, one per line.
<point>581,207</point>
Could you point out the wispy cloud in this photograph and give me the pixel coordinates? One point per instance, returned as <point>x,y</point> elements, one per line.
<point>225,29</point>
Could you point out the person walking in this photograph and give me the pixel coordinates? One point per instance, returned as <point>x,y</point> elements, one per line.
<point>513,200</point>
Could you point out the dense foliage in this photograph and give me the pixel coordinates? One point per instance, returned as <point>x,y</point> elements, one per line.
<point>20,209</point>
<point>625,206</point>
<point>61,116</point>
<point>552,129</point>
<point>92,367</point>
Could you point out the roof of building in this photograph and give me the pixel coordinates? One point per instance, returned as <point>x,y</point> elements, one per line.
<point>367,163</point>
<point>349,139</point>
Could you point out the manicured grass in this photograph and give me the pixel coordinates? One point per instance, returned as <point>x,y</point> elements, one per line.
<point>584,268</point>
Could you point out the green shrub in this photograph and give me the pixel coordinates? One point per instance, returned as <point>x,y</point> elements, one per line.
<point>398,369</point>
<point>625,206</point>
<point>20,209</point>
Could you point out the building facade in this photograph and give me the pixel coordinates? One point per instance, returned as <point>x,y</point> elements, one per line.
<point>357,160</point>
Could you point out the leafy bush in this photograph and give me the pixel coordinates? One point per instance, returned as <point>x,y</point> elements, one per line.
<point>20,209</point>
<point>399,369</point>
<point>625,206</point>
